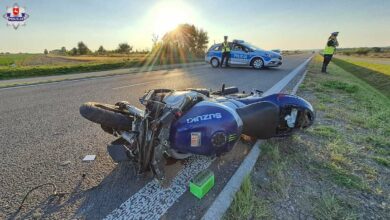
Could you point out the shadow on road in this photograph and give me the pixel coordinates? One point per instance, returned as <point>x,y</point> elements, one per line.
<point>115,189</point>
<point>94,203</point>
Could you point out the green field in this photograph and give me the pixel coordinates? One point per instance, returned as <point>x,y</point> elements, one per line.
<point>17,59</point>
<point>375,72</point>
<point>375,64</point>
<point>13,66</point>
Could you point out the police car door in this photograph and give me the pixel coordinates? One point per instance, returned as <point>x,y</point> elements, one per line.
<point>239,55</point>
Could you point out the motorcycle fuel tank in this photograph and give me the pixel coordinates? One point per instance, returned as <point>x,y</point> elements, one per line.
<point>208,128</point>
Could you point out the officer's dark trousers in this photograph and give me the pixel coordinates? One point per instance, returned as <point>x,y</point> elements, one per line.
<point>327,59</point>
<point>225,56</point>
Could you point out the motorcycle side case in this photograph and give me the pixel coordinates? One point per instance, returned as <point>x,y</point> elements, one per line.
<point>208,128</point>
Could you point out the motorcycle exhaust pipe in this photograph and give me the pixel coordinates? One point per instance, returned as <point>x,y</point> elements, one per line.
<point>176,155</point>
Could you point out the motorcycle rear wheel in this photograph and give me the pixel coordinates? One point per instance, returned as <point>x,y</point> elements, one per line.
<point>107,115</point>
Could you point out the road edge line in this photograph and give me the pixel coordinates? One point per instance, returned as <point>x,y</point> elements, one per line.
<point>286,80</point>
<point>224,199</point>
<point>295,89</point>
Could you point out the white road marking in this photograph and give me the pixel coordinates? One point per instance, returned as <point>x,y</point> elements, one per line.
<point>295,89</point>
<point>136,84</point>
<point>283,83</point>
<point>152,201</point>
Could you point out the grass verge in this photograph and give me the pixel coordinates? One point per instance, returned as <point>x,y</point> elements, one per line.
<point>52,70</point>
<point>375,74</point>
<point>338,168</point>
<point>245,204</point>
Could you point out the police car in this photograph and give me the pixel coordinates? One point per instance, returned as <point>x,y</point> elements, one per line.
<point>244,54</point>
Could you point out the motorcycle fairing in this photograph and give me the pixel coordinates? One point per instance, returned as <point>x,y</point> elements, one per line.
<point>260,119</point>
<point>212,121</point>
<point>287,104</point>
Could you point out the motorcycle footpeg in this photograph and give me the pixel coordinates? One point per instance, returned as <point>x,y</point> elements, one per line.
<point>118,150</point>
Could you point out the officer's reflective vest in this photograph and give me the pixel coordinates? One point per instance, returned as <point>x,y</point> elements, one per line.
<point>329,50</point>
<point>225,47</point>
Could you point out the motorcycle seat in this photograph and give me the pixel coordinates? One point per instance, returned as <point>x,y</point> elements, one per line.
<point>259,119</point>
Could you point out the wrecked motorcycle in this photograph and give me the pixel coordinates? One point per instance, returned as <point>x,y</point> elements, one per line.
<point>179,124</point>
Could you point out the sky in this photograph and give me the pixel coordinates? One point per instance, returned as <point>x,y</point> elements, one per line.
<point>282,24</point>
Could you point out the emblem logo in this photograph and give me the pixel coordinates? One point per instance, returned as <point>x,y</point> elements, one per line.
<point>204,117</point>
<point>16,16</point>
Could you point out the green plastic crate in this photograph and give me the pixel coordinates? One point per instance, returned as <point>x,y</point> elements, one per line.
<point>202,183</point>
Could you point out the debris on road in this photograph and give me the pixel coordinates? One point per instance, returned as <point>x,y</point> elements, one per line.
<point>201,184</point>
<point>67,162</point>
<point>88,158</point>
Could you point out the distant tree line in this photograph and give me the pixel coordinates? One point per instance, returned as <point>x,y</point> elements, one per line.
<point>184,42</point>
<point>82,49</point>
<point>363,50</point>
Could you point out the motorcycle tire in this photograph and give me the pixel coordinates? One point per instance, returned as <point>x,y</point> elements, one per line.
<point>109,116</point>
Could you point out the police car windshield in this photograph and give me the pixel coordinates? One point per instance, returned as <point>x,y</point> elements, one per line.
<point>252,46</point>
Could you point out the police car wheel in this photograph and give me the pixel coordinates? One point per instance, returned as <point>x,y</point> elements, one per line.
<point>214,62</point>
<point>257,63</point>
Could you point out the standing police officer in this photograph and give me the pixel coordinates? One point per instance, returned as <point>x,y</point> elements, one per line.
<point>225,51</point>
<point>329,50</point>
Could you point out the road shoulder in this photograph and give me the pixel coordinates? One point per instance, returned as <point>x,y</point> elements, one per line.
<point>337,169</point>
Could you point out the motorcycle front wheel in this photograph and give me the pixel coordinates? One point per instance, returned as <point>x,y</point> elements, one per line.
<point>109,116</point>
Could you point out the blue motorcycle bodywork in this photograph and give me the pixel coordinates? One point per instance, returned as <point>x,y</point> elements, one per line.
<point>218,120</point>
<point>203,121</point>
<point>281,100</point>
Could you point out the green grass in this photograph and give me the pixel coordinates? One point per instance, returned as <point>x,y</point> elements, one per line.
<point>341,86</point>
<point>345,153</point>
<point>24,71</point>
<point>377,75</point>
<point>9,59</point>
<point>246,205</point>
<point>328,206</point>
<point>356,105</point>
<point>378,67</point>
<point>279,181</point>
<point>325,131</point>
<point>379,141</point>
<point>382,160</point>
<point>345,177</point>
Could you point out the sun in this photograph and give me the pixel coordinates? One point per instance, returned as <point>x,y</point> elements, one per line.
<point>167,15</point>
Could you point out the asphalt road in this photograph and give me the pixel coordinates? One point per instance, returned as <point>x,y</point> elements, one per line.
<point>43,138</point>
